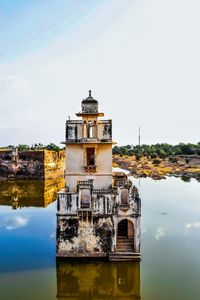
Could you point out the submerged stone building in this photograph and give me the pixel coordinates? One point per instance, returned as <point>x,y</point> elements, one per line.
<point>98,212</point>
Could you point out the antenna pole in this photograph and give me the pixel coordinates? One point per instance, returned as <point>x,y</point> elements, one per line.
<point>139,137</point>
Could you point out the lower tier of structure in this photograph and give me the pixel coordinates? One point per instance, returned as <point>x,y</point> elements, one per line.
<point>115,256</point>
<point>99,223</point>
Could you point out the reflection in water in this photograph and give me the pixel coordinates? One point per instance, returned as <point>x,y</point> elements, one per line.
<point>170,249</point>
<point>98,280</point>
<point>37,193</point>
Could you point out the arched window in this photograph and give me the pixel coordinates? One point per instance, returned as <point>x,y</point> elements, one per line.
<point>90,129</point>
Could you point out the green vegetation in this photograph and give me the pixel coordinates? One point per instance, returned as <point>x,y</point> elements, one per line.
<point>158,150</point>
<point>39,146</point>
<point>156,161</point>
<point>52,146</point>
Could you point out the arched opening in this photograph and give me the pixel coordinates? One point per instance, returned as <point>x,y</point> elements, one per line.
<point>90,129</point>
<point>125,236</point>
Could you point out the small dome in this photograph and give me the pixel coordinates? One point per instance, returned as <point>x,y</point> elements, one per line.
<point>89,99</point>
<point>89,105</point>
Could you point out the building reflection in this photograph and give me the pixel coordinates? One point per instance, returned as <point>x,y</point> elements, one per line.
<point>36,193</point>
<point>119,280</point>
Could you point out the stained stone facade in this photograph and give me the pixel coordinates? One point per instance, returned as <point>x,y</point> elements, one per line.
<point>98,213</point>
<point>31,164</point>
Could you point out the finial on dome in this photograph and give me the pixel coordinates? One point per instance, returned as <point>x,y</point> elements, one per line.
<point>90,93</point>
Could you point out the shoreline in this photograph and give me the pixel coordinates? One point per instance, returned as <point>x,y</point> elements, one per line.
<point>158,168</point>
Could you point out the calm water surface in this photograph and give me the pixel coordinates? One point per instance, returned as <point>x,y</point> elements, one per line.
<point>170,267</point>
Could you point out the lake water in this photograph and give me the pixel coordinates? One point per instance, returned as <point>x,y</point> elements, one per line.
<point>170,267</point>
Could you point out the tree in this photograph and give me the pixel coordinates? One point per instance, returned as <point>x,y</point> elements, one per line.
<point>158,150</point>
<point>23,147</point>
<point>53,147</point>
<point>185,178</point>
<point>173,159</point>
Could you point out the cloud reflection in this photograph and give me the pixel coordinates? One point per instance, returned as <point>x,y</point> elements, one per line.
<point>193,225</point>
<point>16,222</point>
<point>160,232</point>
<point>53,235</point>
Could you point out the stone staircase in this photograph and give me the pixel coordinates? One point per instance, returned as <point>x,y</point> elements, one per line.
<point>124,251</point>
<point>124,256</point>
<point>125,244</point>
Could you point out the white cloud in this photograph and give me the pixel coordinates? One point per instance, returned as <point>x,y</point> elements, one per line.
<point>5,125</point>
<point>193,225</point>
<point>160,232</point>
<point>16,222</point>
<point>12,82</point>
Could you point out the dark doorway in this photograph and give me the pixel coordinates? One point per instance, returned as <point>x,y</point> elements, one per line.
<point>123,228</point>
<point>125,236</point>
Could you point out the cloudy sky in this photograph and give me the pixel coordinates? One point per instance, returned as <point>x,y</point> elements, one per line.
<point>140,58</point>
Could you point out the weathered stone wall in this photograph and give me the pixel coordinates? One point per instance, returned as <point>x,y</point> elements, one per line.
<point>85,236</point>
<point>91,228</point>
<point>35,164</point>
<point>54,163</point>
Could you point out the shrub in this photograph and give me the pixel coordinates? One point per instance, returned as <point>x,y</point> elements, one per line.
<point>173,159</point>
<point>156,161</point>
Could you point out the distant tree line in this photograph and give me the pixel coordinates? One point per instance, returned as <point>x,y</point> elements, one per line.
<point>39,146</point>
<point>158,150</point>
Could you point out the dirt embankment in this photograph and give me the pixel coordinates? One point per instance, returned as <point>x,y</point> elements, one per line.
<point>182,166</point>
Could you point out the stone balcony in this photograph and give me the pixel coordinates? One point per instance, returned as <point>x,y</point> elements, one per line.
<point>87,140</point>
<point>90,169</point>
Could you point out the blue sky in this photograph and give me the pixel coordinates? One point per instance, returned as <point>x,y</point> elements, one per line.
<point>140,58</point>
<point>31,25</point>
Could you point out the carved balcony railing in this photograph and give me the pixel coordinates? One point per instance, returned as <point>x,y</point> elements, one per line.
<point>72,141</point>
<point>101,191</point>
<point>127,183</point>
<point>124,206</point>
<point>85,182</point>
<point>65,204</point>
<point>105,122</point>
<point>68,122</point>
<point>95,139</point>
<point>90,169</point>
<point>88,140</point>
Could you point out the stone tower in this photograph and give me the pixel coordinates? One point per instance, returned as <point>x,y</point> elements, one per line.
<point>89,147</point>
<point>98,211</point>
